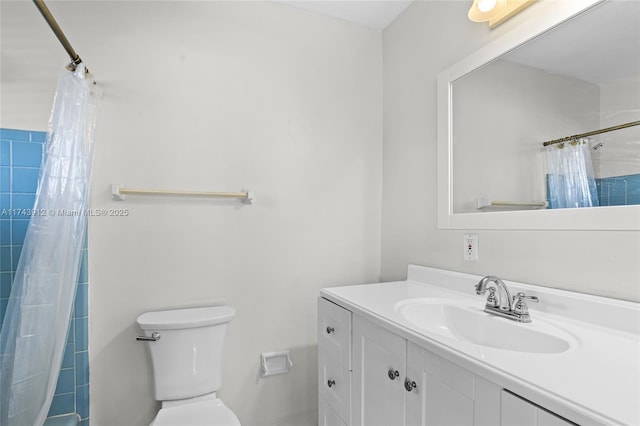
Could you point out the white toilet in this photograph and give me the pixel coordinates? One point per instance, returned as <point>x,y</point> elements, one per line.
<point>186,354</point>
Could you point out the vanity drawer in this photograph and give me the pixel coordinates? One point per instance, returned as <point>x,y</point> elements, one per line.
<point>334,332</point>
<point>334,385</point>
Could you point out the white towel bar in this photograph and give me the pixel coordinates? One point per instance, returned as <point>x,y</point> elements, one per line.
<point>118,193</point>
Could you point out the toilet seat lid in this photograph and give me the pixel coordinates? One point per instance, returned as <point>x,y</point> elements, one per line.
<point>211,412</point>
<point>176,319</point>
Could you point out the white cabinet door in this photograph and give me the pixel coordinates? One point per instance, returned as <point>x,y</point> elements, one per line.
<point>486,402</point>
<point>327,416</point>
<point>378,375</point>
<point>443,394</point>
<point>447,394</point>
<point>516,411</point>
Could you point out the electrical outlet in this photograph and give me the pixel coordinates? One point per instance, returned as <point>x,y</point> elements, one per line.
<point>470,247</point>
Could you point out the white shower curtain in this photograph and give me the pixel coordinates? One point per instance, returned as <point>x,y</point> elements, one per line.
<point>570,178</point>
<point>36,322</point>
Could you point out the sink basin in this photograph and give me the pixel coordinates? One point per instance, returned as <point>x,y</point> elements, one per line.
<point>470,323</point>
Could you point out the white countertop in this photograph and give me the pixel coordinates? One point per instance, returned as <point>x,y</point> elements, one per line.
<point>596,381</point>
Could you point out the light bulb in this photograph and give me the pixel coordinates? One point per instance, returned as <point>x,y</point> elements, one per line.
<point>485,10</point>
<point>487,5</point>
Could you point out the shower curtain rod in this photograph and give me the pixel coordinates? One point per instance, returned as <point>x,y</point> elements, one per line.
<point>595,132</point>
<point>46,13</point>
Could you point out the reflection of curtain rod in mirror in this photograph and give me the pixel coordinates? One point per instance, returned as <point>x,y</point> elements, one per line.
<point>595,132</point>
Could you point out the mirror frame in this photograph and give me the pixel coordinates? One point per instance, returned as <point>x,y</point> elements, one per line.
<point>597,218</point>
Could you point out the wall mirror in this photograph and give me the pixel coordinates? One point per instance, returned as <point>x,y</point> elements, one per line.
<point>570,70</point>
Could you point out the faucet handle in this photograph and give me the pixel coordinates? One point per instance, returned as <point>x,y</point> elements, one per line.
<point>492,300</point>
<point>522,296</point>
<point>519,305</point>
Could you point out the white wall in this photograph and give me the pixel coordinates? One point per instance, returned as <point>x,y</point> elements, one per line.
<point>620,151</point>
<point>216,96</point>
<point>427,38</point>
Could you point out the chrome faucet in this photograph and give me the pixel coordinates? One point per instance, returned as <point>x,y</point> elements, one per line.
<point>504,297</point>
<point>504,305</point>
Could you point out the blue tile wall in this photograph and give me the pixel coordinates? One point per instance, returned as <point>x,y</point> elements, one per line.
<point>21,154</point>
<point>612,191</point>
<point>619,190</point>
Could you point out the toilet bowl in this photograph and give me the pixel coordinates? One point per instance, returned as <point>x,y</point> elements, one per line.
<point>186,347</point>
<point>206,410</point>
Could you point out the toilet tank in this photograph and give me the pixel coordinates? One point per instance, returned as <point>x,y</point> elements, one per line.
<point>187,358</point>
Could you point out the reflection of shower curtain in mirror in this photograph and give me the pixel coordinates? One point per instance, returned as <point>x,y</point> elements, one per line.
<point>34,331</point>
<point>570,179</point>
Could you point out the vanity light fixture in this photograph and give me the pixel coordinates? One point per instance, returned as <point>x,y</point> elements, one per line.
<point>496,11</point>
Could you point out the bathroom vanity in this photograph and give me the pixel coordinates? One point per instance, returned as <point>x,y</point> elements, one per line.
<point>424,352</point>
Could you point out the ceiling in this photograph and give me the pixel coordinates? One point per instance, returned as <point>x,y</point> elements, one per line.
<point>377,14</point>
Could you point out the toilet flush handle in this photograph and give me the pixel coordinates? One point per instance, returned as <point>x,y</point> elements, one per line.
<point>155,336</point>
